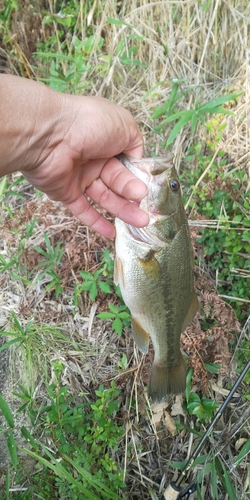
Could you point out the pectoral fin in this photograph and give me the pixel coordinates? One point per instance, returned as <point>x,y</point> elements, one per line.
<point>118,273</point>
<point>194,306</point>
<point>151,266</point>
<point>141,337</point>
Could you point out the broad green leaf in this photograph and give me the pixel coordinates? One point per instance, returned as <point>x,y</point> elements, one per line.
<point>188,382</point>
<point>173,94</point>
<point>87,285</point>
<point>194,398</point>
<point>91,43</point>
<point>178,126</point>
<point>66,20</point>
<point>177,465</point>
<point>186,112</point>
<point>165,109</point>
<point>93,292</point>
<point>221,111</point>
<point>237,218</point>
<point>11,443</point>
<point>117,22</point>
<point>209,403</point>
<point>246,235</point>
<point>48,245</point>
<point>97,273</point>
<point>201,459</point>
<point>225,479</point>
<point>194,408</point>
<point>127,61</point>
<point>53,55</point>
<point>117,325</point>
<point>228,485</point>
<point>194,120</point>
<point>243,453</point>
<point>106,315</point>
<point>113,308</point>
<point>136,37</point>
<point>120,47</point>
<point>86,275</point>
<point>218,101</point>
<point>6,411</point>
<point>212,368</point>
<point>133,50</point>
<point>17,323</point>
<point>124,315</point>
<point>104,286</point>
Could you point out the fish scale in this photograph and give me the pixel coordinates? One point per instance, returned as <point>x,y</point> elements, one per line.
<point>154,269</point>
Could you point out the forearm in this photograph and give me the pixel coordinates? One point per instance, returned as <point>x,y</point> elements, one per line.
<point>28,114</point>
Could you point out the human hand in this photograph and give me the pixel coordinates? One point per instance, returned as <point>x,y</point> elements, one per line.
<point>82,163</point>
<point>70,151</point>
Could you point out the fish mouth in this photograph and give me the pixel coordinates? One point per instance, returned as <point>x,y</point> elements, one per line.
<point>145,167</point>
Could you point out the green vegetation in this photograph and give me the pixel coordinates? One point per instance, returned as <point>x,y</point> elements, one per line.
<point>87,430</point>
<point>202,407</point>
<point>80,463</point>
<point>223,200</point>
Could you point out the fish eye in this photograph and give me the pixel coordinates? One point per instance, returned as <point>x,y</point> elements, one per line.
<point>174,184</point>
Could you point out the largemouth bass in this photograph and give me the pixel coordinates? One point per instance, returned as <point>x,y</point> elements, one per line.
<point>154,268</point>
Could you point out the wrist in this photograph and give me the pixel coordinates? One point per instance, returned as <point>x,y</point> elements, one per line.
<point>29,114</point>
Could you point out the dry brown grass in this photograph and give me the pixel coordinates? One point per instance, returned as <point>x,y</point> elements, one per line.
<point>207,45</point>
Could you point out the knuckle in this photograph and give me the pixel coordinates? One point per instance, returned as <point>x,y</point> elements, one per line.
<point>104,197</point>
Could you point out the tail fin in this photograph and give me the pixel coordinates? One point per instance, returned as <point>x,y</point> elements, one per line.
<point>167,379</point>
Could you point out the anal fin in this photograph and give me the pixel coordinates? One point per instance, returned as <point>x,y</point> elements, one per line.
<point>141,337</point>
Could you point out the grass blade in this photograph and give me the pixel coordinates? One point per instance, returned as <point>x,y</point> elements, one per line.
<point>8,344</point>
<point>12,447</point>
<point>6,411</point>
<point>179,125</point>
<point>60,471</point>
<point>214,103</point>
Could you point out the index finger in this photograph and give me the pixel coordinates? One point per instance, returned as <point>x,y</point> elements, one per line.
<point>121,181</point>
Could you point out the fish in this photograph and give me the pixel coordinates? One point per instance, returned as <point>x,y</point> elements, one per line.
<point>154,268</point>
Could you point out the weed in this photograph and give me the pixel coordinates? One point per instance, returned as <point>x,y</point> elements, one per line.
<point>100,280</point>
<point>52,259</point>
<point>81,437</point>
<point>91,284</point>
<point>202,407</point>
<point>119,315</point>
<point>35,343</point>
<point>198,113</point>
<point>5,13</point>
<point>225,245</point>
<point>211,464</point>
